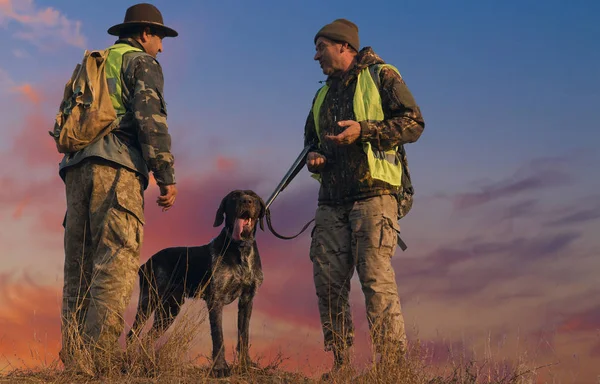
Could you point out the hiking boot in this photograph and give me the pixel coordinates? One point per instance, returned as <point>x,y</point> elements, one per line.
<point>341,365</point>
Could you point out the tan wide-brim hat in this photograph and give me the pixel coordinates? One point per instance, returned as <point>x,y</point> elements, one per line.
<point>143,14</point>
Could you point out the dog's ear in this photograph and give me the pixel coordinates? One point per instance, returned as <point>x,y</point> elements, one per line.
<point>262,213</point>
<point>220,216</point>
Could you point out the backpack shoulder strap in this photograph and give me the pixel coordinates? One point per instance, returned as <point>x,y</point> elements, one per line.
<point>375,70</point>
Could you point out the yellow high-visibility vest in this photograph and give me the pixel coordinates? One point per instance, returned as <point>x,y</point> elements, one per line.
<point>383,165</point>
<point>113,74</point>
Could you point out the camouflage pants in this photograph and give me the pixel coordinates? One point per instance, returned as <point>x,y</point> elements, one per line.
<point>103,236</point>
<point>361,236</point>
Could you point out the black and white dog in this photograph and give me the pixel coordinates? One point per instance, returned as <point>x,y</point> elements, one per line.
<point>219,272</point>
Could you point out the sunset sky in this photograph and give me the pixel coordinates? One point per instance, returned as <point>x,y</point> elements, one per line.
<point>503,240</point>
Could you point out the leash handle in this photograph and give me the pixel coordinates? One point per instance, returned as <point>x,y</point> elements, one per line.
<point>289,176</point>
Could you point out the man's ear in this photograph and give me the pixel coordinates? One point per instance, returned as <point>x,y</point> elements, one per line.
<point>145,34</point>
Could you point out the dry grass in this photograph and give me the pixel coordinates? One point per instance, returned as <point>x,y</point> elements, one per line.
<point>167,360</point>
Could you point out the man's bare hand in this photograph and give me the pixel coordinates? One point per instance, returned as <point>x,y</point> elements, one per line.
<point>315,161</point>
<point>349,135</point>
<point>167,196</point>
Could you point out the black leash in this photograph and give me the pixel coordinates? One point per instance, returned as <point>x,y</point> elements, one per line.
<point>268,216</point>
<point>293,171</point>
<point>401,243</point>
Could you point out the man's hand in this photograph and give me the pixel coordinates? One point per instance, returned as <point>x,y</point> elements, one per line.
<point>167,196</point>
<point>349,135</point>
<point>315,161</point>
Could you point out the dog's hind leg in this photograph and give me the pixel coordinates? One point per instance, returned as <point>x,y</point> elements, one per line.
<point>165,314</point>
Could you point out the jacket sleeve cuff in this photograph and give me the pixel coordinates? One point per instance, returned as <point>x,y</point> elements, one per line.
<point>166,177</point>
<point>366,131</point>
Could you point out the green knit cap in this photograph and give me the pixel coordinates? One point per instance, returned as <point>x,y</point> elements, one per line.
<point>341,30</point>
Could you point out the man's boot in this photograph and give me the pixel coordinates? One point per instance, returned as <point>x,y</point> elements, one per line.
<point>341,358</point>
<point>341,363</point>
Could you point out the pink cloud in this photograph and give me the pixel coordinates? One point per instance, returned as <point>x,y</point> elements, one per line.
<point>34,143</point>
<point>511,187</point>
<point>539,174</point>
<point>32,197</point>
<point>18,212</point>
<point>41,26</point>
<point>31,142</point>
<point>581,322</point>
<point>29,321</point>
<point>28,93</point>
<point>226,163</point>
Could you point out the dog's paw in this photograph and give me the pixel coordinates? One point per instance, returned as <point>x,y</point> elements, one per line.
<point>220,370</point>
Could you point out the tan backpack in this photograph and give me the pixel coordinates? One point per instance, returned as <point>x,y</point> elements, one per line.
<point>86,112</point>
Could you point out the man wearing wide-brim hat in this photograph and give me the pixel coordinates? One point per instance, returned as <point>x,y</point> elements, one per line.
<point>105,183</point>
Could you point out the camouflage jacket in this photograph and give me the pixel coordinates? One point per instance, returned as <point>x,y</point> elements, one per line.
<point>142,141</point>
<point>346,177</point>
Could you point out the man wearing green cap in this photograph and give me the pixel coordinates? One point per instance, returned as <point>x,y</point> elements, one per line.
<point>359,121</point>
<point>105,183</point>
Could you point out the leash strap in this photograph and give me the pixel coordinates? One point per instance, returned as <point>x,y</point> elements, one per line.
<point>401,243</point>
<point>268,216</point>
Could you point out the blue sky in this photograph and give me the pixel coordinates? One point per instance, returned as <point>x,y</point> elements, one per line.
<point>492,78</point>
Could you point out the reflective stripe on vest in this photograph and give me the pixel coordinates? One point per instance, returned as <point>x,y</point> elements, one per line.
<point>113,74</point>
<point>383,165</point>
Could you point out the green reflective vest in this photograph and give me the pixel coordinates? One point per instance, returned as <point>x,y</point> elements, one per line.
<point>113,74</point>
<point>383,165</point>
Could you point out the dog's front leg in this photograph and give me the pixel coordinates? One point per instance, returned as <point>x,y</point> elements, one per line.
<point>220,367</point>
<point>244,314</point>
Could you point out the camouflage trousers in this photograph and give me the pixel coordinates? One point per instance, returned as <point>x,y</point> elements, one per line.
<point>103,235</point>
<point>362,236</point>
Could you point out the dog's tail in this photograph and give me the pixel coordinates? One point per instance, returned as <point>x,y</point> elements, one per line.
<point>143,276</point>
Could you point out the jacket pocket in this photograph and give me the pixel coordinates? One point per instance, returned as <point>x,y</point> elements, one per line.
<point>130,197</point>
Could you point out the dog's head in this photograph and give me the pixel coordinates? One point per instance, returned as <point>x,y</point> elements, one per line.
<point>241,210</point>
